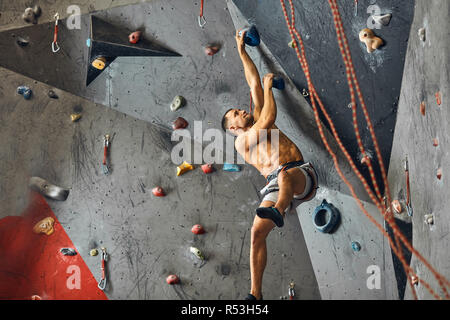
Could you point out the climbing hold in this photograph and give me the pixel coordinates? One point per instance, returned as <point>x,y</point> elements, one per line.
<point>292,44</point>
<point>435,142</point>
<point>207,168</point>
<point>422,34</point>
<point>429,219</point>
<point>198,229</point>
<point>211,50</point>
<point>231,167</point>
<point>197,253</point>
<point>135,37</point>
<point>75,117</point>
<point>25,92</point>
<point>68,251</point>
<point>44,226</point>
<point>422,108</point>
<point>368,37</point>
<point>356,246</point>
<point>251,36</point>
<point>22,41</point>
<point>179,123</point>
<point>35,297</point>
<point>93,252</point>
<point>30,15</point>
<point>172,279</point>
<point>52,94</point>
<point>305,93</point>
<point>384,19</point>
<point>278,83</point>
<point>326,217</point>
<point>438,98</point>
<point>47,189</point>
<point>158,192</point>
<point>397,206</point>
<point>183,168</point>
<point>439,173</point>
<point>177,103</point>
<point>88,42</point>
<point>99,63</point>
<point>414,280</point>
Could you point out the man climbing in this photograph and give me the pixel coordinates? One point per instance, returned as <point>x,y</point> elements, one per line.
<point>290,181</point>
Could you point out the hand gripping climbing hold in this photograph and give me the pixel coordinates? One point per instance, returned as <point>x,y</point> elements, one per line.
<point>158,192</point>
<point>207,168</point>
<point>198,229</point>
<point>251,36</point>
<point>372,42</point>
<point>30,15</point>
<point>172,279</point>
<point>326,217</point>
<point>179,123</point>
<point>177,103</point>
<point>47,189</point>
<point>135,37</point>
<point>231,167</point>
<point>45,226</point>
<point>183,168</point>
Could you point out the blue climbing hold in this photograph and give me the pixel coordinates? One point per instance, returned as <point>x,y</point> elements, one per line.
<point>278,83</point>
<point>24,91</point>
<point>251,37</point>
<point>231,167</point>
<point>356,246</point>
<point>88,42</point>
<point>326,217</point>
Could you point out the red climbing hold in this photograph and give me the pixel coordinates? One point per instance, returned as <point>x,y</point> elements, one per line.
<point>438,98</point>
<point>212,50</point>
<point>158,192</point>
<point>207,168</point>
<point>435,142</point>
<point>198,229</point>
<point>422,108</point>
<point>439,173</point>
<point>179,123</point>
<point>135,37</point>
<point>172,279</point>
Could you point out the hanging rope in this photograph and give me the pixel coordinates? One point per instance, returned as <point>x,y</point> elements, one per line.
<point>351,75</point>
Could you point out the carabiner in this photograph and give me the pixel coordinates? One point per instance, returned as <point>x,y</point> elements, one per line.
<point>201,21</point>
<point>55,46</point>
<point>102,282</point>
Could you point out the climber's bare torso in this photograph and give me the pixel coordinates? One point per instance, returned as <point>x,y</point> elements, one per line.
<point>262,149</point>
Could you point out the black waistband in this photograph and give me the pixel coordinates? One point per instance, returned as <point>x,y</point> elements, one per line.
<point>287,166</point>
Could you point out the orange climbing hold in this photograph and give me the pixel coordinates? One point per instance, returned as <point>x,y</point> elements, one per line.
<point>435,142</point>
<point>422,108</point>
<point>438,98</point>
<point>45,226</point>
<point>183,168</point>
<point>439,173</point>
<point>372,42</point>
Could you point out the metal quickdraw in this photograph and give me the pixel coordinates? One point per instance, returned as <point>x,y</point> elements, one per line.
<point>105,154</point>
<point>409,209</point>
<point>55,46</point>
<point>102,282</point>
<point>201,18</point>
<point>291,291</point>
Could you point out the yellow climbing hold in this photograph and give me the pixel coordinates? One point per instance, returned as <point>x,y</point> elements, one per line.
<point>184,167</point>
<point>99,63</point>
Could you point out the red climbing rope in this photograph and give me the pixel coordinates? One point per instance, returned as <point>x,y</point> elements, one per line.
<point>351,75</point>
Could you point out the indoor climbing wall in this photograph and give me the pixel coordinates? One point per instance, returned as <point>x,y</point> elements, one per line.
<point>421,136</point>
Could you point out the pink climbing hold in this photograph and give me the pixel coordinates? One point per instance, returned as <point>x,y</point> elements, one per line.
<point>135,37</point>
<point>158,192</point>
<point>207,168</point>
<point>211,50</point>
<point>198,229</point>
<point>179,123</point>
<point>172,279</point>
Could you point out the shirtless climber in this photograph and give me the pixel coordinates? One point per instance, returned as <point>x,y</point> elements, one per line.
<point>290,181</point>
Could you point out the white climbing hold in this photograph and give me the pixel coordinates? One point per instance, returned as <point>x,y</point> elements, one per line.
<point>384,19</point>
<point>177,103</point>
<point>422,34</point>
<point>429,219</point>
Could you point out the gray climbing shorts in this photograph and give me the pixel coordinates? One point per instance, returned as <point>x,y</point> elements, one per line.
<point>270,191</point>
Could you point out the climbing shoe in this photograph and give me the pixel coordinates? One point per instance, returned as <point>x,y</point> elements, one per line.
<point>251,297</point>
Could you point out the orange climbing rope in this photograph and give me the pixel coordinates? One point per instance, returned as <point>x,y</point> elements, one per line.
<point>351,77</point>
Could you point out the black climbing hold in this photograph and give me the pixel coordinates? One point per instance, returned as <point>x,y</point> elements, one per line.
<point>356,246</point>
<point>326,217</point>
<point>52,94</point>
